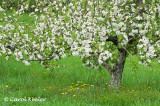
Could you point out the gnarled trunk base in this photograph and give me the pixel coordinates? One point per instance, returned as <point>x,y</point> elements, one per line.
<point>116,72</point>
<point>116,77</point>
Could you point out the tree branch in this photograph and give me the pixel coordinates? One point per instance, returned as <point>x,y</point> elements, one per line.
<point>107,66</point>
<point>113,39</point>
<point>50,58</point>
<point>131,39</point>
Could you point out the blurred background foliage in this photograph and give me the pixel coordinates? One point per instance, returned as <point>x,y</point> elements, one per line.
<point>16,4</point>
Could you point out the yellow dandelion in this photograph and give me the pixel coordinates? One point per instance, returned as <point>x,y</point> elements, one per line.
<point>86,84</point>
<point>149,87</point>
<point>74,95</point>
<point>66,93</point>
<point>6,86</point>
<point>70,89</point>
<point>92,85</point>
<point>62,93</point>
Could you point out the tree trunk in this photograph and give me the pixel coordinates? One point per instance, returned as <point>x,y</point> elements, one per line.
<point>116,72</point>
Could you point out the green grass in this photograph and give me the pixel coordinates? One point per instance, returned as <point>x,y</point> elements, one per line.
<point>140,85</point>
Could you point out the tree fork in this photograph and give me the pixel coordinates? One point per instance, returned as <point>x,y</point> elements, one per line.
<point>117,70</point>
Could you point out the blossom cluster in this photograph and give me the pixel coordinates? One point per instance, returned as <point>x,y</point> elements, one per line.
<point>82,29</point>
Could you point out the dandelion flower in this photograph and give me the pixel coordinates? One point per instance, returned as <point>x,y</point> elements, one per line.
<point>66,93</point>
<point>92,85</point>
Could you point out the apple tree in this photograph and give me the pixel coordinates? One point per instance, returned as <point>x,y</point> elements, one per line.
<point>101,32</point>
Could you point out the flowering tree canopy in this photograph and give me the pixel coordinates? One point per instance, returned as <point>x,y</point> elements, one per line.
<point>102,32</point>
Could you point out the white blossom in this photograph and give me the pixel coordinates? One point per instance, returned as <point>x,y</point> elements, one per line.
<point>26,62</point>
<point>1,9</point>
<point>139,17</point>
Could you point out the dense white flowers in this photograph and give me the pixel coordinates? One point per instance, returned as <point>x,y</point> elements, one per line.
<point>81,30</point>
<point>26,62</point>
<point>90,3</point>
<point>104,56</point>
<point>1,9</point>
<point>8,27</point>
<point>139,17</point>
<point>151,52</point>
<point>104,12</point>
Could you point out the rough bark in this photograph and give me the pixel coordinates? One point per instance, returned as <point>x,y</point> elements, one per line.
<point>116,72</point>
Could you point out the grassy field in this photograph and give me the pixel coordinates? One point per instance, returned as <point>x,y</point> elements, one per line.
<point>72,84</point>
<point>75,85</point>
